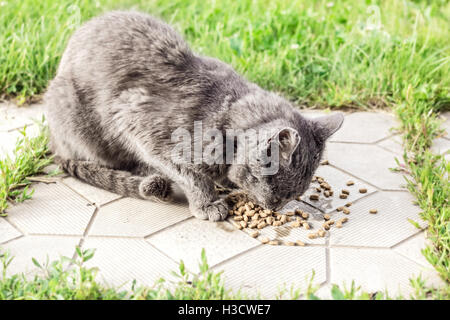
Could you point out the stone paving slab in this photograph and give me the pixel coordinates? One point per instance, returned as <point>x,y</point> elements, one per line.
<point>38,247</point>
<point>7,231</point>
<point>137,218</point>
<point>370,163</point>
<point>12,117</point>
<point>384,229</point>
<point>338,180</point>
<point>54,209</point>
<point>446,123</point>
<point>220,240</point>
<point>9,139</point>
<point>95,195</point>
<point>142,240</point>
<point>393,144</point>
<point>122,260</point>
<point>441,146</point>
<point>365,127</point>
<point>412,247</point>
<point>267,269</point>
<point>376,270</point>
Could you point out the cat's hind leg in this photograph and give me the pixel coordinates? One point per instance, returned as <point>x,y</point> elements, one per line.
<point>152,187</point>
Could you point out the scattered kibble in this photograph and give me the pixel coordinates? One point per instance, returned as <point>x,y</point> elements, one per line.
<point>254,234</point>
<point>300,243</point>
<point>251,217</point>
<point>265,240</point>
<point>314,197</point>
<point>373,211</point>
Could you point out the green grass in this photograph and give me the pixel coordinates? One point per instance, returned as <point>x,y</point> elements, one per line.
<point>341,55</point>
<point>71,279</point>
<point>429,180</point>
<point>30,157</point>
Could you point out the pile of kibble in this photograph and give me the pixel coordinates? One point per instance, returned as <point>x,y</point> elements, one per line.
<point>252,218</point>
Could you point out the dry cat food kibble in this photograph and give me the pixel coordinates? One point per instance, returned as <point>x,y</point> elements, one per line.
<point>253,218</point>
<point>373,211</point>
<point>254,234</point>
<point>314,197</point>
<point>265,240</point>
<point>312,235</point>
<point>300,243</point>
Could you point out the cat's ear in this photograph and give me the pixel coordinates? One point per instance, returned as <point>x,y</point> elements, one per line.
<point>327,125</point>
<point>287,140</point>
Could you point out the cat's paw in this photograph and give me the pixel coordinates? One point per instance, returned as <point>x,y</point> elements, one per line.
<point>156,188</point>
<point>214,211</point>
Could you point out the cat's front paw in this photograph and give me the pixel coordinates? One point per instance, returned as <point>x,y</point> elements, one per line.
<point>156,188</point>
<point>214,211</point>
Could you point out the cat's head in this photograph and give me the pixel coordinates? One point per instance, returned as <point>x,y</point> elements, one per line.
<point>287,160</point>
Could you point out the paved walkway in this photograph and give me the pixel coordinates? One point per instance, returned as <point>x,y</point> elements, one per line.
<point>143,240</point>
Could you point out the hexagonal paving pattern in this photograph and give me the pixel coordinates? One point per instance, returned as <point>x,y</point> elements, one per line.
<point>370,163</point>
<point>122,260</point>
<point>220,240</point>
<point>54,209</point>
<point>267,269</point>
<point>376,270</point>
<point>143,240</point>
<point>365,127</point>
<point>384,229</point>
<point>137,218</point>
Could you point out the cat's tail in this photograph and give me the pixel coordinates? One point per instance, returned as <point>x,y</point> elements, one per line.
<point>153,187</point>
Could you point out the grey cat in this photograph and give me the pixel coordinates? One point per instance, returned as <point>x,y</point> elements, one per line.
<point>127,81</point>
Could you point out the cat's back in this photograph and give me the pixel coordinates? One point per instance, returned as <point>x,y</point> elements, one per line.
<point>122,44</point>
